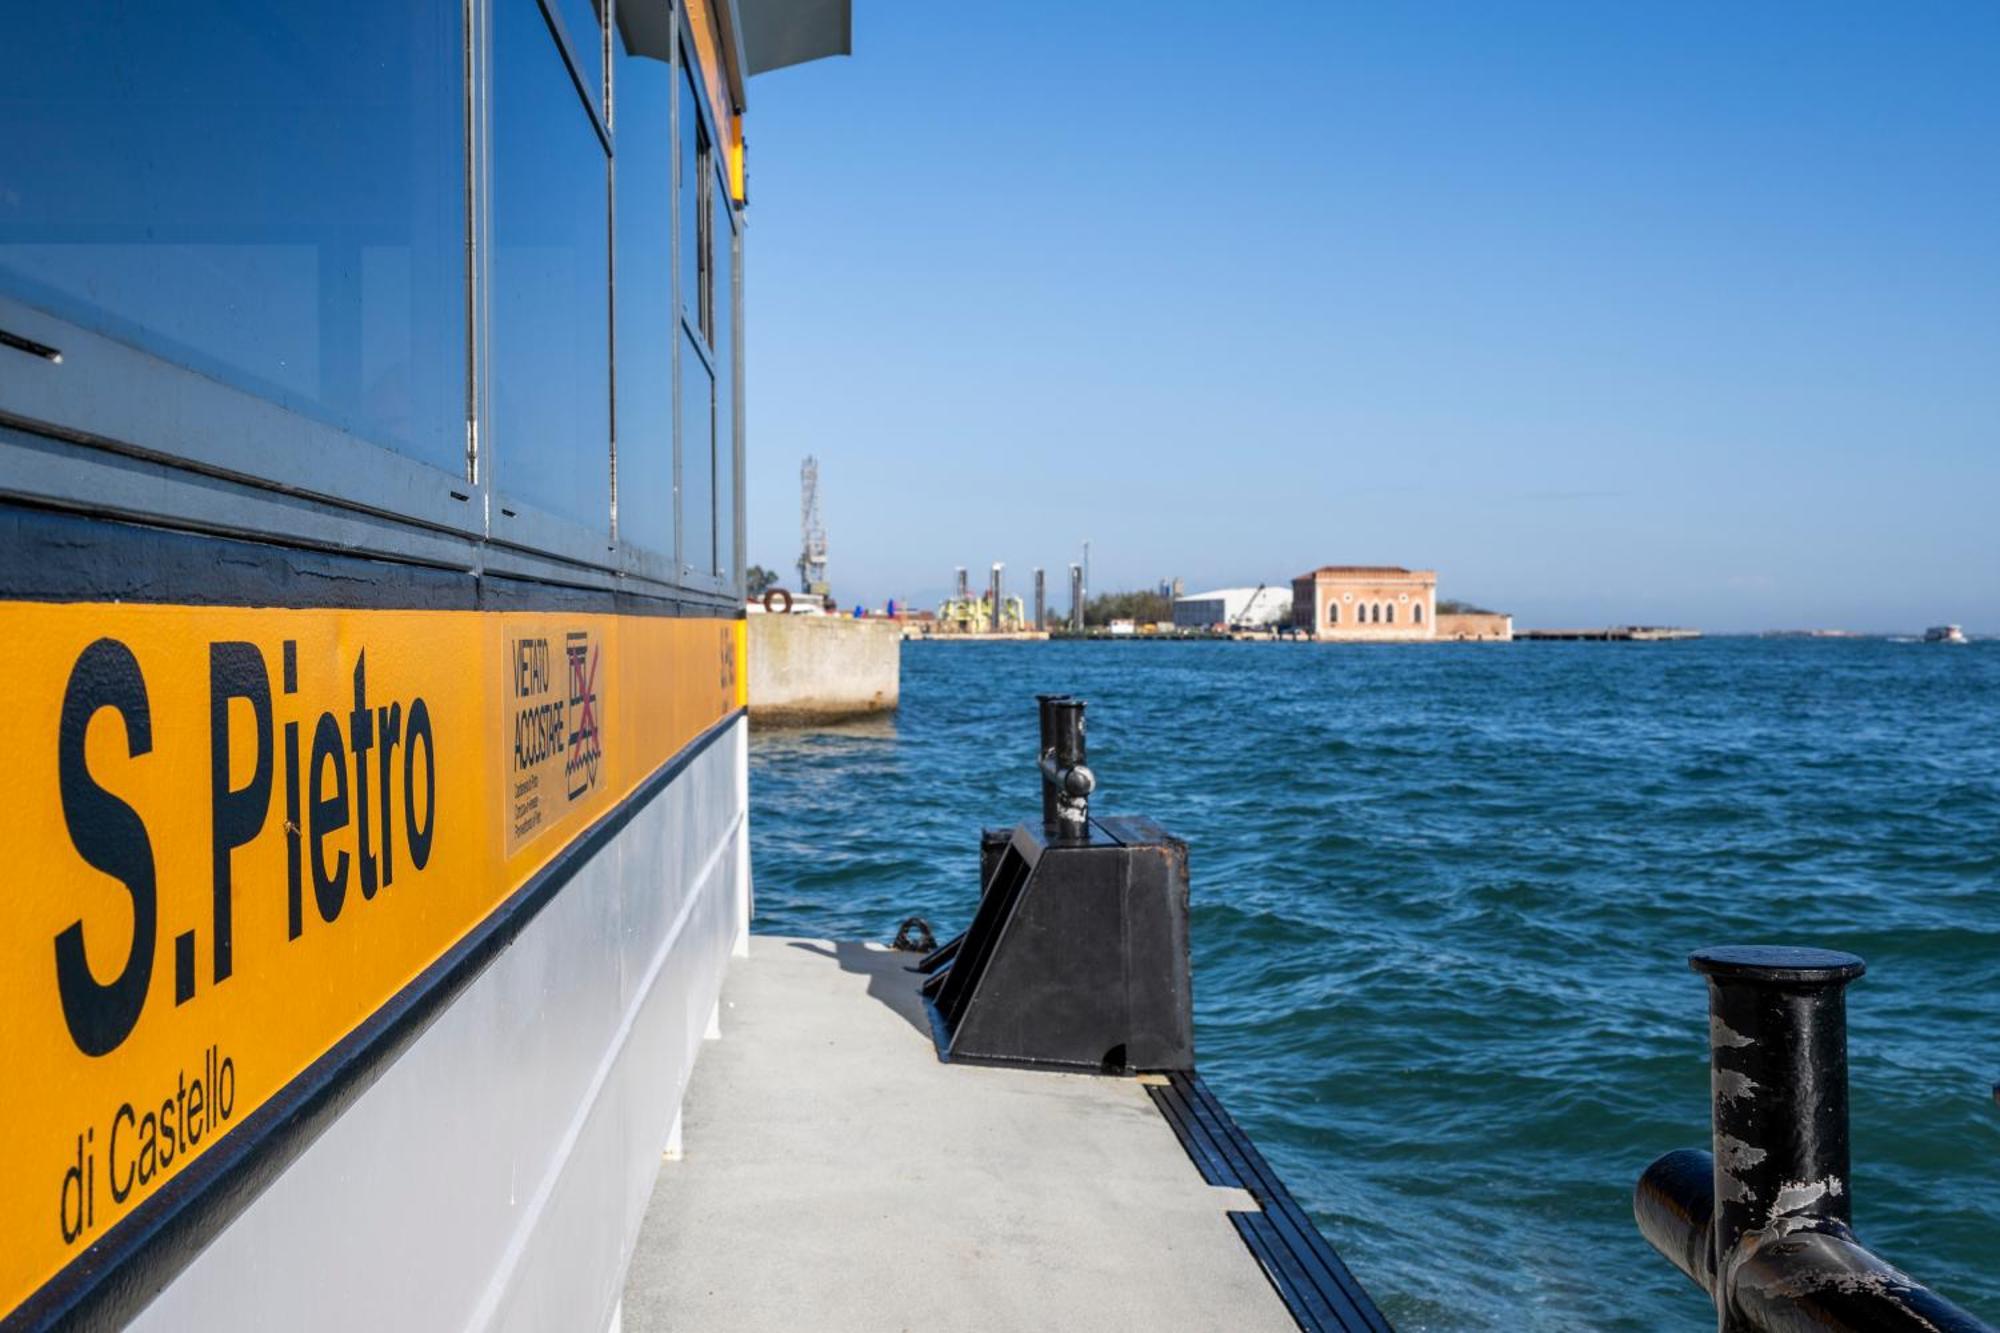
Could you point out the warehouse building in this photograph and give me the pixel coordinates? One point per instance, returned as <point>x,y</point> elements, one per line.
<point>1253,608</point>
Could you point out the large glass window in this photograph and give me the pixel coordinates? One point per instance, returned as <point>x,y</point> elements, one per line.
<point>725,389</point>
<point>692,162</point>
<point>647,324</point>
<point>697,462</point>
<point>549,312</point>
<point>273,197</point>
<point>707,461</point>
<point>583,27</point>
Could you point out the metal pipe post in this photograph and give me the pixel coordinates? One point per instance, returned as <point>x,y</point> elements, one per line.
<point>1045,707</point>
<point>1066,778</point>
<point>1764,1223</point>
<point>1041,600</point>
<point>994,593</point>
<point>1777,1028</point>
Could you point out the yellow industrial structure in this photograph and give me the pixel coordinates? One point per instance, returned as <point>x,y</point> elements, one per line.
<point>974,615</point>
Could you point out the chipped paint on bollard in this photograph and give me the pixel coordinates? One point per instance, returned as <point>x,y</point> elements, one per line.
<point>1764,1222</point>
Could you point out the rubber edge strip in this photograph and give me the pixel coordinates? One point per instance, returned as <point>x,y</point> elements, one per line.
<point>1305,1271</point>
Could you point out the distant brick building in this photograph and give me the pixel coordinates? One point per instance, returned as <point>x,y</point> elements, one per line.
<point>1477,626</point>
<point>1366,602</point>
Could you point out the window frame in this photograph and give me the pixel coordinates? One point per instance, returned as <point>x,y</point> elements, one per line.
<point>514,520</point>
<point>696,325</point>
<point>733,231</point>
<point>112,428</point>
<point>657,563</point>
<point>123,400</point>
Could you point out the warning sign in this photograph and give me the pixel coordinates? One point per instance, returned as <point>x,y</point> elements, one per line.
<point>556,710</point>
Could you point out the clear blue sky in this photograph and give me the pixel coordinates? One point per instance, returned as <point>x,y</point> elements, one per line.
<point>1683,313</point>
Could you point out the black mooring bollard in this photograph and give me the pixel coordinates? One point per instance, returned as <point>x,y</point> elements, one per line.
<point>1077,955</point>
<point>1045,705</point>
<point>1777,1033</point>
<point>1764,1224</point>
<point>1066,780</point>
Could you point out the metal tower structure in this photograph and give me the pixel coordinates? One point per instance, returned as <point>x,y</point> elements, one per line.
<point>812,534</point>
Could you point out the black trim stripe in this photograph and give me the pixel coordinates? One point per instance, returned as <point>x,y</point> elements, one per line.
<point>1308,1276</point>
<point>111,1281</point>
<point>53,555</point>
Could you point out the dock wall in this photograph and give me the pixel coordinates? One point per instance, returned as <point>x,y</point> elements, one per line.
<point>1483,626</point>
<point>806,669</point>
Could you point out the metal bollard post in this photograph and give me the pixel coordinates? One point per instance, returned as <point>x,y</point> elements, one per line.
<point>1764,1224</point>
<point>1066,780</point>
<point>1045,706</point>
<point>1777,1032</point>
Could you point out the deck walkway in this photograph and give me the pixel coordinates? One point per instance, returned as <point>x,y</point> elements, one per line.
<point>836,1175</point>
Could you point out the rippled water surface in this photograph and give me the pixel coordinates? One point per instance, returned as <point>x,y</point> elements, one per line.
<point>1443,899</point>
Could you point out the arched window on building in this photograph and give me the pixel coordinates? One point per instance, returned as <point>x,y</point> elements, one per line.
<point>1333,613</point>
<point>1392,613</point>
<point>1417,613</point>
<point>1377,618</point>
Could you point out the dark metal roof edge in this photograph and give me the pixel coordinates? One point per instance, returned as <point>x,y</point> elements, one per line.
<point>837,15</point>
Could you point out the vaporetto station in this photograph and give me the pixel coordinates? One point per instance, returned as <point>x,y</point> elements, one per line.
<point>370,565</point>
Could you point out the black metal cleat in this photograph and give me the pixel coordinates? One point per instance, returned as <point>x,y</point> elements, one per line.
<point>1077,957</point>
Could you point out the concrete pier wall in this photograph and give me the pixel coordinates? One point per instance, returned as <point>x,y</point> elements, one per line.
<point>806,669</point>
<point>1483,626</point>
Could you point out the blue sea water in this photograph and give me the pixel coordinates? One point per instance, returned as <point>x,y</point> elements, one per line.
<point>1443,899</point>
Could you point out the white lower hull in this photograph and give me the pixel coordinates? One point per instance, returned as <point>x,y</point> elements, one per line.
<point>496,1174</point>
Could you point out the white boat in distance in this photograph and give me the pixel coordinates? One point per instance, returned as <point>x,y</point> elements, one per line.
<point>1944,634</point>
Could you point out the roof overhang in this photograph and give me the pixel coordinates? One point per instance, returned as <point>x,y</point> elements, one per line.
<point>775,33</point>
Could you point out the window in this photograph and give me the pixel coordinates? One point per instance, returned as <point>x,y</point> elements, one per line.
<point>1417,613</point>
<point>697,461</point>
<point>724,303</point>
<point>647,324</point>
<point>1333,613</point>
<point>707,349</point>
<point>582,23</point>
<point>274,199</point>
<point>549,306</point>
<point>1378,613</point>
<point>692,168</point>
<point>1392,613</point>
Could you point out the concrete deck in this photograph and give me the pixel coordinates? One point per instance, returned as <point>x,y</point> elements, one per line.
<point>836,1175</point>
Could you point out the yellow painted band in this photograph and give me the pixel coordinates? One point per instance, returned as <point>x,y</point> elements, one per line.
<point>223,866</point>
